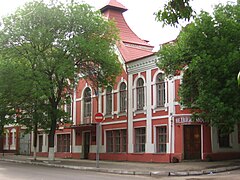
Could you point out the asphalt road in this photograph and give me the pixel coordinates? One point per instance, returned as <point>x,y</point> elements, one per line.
<point>230,175</point>
<point>16,171</point>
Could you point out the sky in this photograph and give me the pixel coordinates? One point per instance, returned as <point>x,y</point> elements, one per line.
<point>140,16</point>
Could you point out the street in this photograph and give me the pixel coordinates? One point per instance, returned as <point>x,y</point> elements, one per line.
<point>233,175</point>
<point>17,171</point>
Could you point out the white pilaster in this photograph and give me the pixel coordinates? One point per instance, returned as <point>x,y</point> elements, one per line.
<point>74,107</point>
<point>130,114</point>
<point>149,145</point>
<point>45,144</point>
<point>171,107</point>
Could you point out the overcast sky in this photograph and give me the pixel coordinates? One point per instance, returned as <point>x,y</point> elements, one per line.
<point>139,16</point>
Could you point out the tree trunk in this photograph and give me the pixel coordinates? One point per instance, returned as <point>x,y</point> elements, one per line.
<point>35,132</point>
<point>51,134</point>
<point>1,138</point>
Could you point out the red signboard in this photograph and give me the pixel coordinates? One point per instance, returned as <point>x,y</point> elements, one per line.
<point>99,117</point>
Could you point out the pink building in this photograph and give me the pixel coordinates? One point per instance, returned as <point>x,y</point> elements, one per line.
<point>143,120</point>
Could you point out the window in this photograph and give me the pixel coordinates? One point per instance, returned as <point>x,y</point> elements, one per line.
<point>69,109</point>
<point>87,104</point>
<point>123,97</point>
<point>161,134</point>
<point>160,90</point>
<point>116,141</point>
<point>63,143</point>
<point>223,139</point>
<point>109,140</point>
<point>140,94</point>
<point>109,101</point>
<point>140,139</point>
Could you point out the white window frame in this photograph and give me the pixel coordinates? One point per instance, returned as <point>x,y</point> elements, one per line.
<point>135,109</point>
<point>105,103</point>
<point>82,106</point>
<point>119,98</point>
<point>154,85</point>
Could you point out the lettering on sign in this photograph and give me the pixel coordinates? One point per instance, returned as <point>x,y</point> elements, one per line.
<point>187,120</point>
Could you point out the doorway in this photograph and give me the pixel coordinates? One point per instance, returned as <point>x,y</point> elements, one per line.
<point>86,144</point>
<point>40,142</point>
<point>192,142</point>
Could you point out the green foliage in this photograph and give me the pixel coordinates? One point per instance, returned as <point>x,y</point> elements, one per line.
<point>207,51</point>
<point>53,45</point>
<point>174,11</point>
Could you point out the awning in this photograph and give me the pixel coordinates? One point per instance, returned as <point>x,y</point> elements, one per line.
<point>88,126</point>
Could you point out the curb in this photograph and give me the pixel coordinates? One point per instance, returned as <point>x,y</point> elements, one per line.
<point>126,172</point>
<point>202,172</point>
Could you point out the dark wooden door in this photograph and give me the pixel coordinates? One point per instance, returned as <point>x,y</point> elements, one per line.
<point>40,142</point>
<point>192,142</point>
<point>86,145</point>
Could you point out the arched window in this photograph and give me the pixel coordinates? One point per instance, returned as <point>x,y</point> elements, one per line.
<point>160,90</point>
<point>109,100</point>
<point>140,94</point>
<point>123,97</point>
<point>87,103</point>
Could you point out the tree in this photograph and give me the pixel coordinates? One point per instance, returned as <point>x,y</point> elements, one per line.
<point>207,51</point>
<point>174,11</point>
<point>60,43</point>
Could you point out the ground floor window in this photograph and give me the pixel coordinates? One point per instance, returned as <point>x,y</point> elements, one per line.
<point>116,141</point>
<point>223,139</point>
<point>161,138</point>
<point>63,143</point>
<point>140,139</point>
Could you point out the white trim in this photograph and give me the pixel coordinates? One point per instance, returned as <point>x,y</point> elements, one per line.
<point>139,119</point>
<point>74,107</point>
<point>159,117</point>
<point>82,105</point>
<point>130,114</point>
<point>105,104</point>
<point>118,97</point>
<point>135,110</point>
<point>154,105</point>
<point>114,122</point>
<point>202,142</point>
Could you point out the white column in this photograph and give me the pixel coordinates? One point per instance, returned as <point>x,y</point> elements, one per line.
<point>73,140</point>
<point>171,112</point>
<point>44,145</point>
<point>100,101</point>
<point>130,114</point>
<point>74,107</point>
<point>149,144</point>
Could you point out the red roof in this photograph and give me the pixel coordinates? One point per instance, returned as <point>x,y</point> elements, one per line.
<point>115,5</point>
<point>133,53</point>
<point>132,47</point>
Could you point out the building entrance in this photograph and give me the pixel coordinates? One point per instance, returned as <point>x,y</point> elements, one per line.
<point>192,142</point>
<point>86,145</point>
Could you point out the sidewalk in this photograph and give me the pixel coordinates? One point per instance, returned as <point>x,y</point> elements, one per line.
<point>184,168</point>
